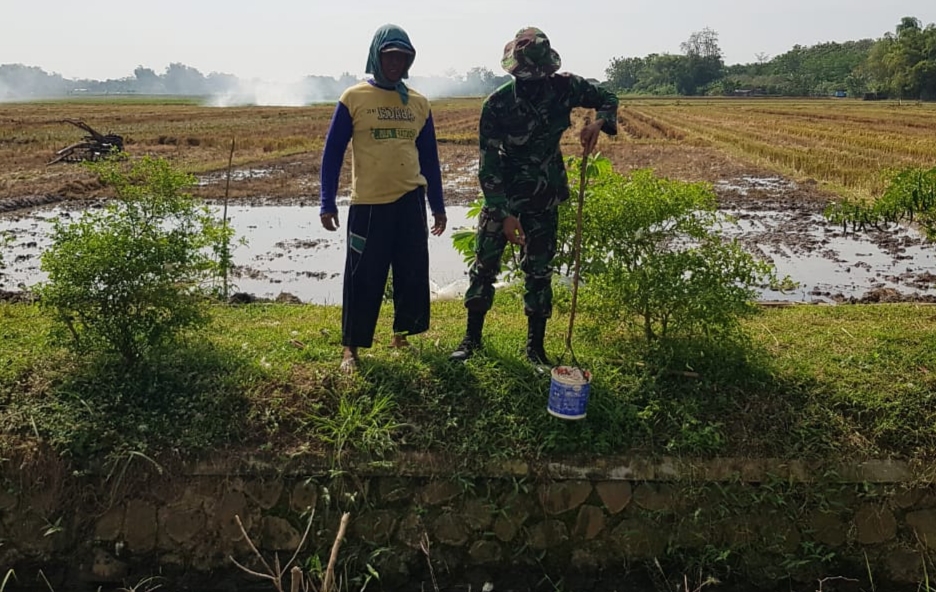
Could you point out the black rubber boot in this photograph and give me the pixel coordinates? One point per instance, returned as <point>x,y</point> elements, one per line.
<point>472,340</point>
<point>536,330</point>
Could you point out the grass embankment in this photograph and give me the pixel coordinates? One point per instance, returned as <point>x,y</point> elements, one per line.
<point>824,383</point>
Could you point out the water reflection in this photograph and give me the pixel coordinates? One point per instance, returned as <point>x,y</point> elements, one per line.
<point>289,251</point>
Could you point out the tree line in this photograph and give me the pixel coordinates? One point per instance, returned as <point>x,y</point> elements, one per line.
<point>901,64</point>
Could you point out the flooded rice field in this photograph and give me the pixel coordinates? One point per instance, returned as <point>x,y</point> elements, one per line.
<point>288,251</point>
<point>783,222</point>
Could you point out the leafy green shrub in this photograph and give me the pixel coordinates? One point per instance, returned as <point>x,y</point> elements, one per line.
<point>652,253</point>
<point>129,277</point>
<point>599,171</point>
<point>465,240</point>
<point>910,196</point>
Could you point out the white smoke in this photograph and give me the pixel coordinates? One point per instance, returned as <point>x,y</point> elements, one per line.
<point>436,87</point>
<point>263,93</point>
<point>19,82</point>
<point>317,89</point>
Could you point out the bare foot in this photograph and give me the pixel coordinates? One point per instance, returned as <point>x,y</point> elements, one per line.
<point>349,361</point>
<point>399,341</point>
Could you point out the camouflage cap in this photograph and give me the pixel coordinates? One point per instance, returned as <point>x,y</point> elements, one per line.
<point>529,56</point>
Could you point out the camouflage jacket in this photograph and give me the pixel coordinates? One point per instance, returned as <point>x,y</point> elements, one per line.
<point>521,167</point>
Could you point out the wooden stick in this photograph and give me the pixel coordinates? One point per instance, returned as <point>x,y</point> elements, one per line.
<point>329,580</point>
<point>296,579</point>
<point>576,250</point>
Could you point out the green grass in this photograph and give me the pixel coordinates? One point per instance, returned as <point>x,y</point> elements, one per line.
<point>825,383</point>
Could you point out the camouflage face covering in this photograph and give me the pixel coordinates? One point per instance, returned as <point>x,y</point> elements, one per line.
<point>529,56</point>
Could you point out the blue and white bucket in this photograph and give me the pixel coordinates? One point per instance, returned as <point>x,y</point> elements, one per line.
<point>569,388</point>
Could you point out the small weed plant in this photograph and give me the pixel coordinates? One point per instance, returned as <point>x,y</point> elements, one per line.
<point>363,422</point>
<point>909,197</point>
<point>131,276</point>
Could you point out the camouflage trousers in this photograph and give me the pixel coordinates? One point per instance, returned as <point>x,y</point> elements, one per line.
<point>535,260</point>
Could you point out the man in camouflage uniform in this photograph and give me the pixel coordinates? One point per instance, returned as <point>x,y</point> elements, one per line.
<point>523,178</point>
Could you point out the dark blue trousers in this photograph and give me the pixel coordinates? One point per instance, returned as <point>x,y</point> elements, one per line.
<point>380,238</point>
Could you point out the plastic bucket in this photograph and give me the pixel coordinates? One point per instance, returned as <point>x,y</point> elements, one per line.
<point>568,392</point>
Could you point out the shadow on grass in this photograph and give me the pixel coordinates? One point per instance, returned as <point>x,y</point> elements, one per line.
<point>699,398</point>
<point>188,399</point>
<point>696,398</point>
<point>490,407</point>
<point>711,396</point>
<point>433,398</point>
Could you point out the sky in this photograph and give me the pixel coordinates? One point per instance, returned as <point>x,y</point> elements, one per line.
<point>284,40</point>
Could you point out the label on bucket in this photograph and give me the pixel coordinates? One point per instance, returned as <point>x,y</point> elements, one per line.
<point>568,392</point>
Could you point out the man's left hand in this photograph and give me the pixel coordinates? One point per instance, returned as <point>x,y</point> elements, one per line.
<point>438,226</point>
<point>589,135</point>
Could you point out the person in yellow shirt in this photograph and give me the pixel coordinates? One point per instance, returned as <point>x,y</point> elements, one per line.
<point>394,170</point>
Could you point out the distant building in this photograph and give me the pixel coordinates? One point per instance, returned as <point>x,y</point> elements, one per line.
<point>747,92</point>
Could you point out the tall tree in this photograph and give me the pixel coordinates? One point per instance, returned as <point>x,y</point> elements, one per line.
<point>623,74</point>
<point>704,63</point>
<point>903,63</point>
<point>180,79</point>
<point>147,81</point>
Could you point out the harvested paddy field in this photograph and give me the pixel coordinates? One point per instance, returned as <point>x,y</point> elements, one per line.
<point>775,165</point>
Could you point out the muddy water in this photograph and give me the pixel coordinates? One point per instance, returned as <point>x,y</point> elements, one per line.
<point>782,222</point>
<point>830,264</point>
<point>289,251</point>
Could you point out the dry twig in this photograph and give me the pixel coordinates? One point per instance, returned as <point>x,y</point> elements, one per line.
<point>329,580</point>
<point>424,545</point>
<point>273,575</point>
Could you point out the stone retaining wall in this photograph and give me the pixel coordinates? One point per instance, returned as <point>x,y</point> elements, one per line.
<point>769,520</point>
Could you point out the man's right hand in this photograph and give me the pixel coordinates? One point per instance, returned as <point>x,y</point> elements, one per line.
<point>330,221</point>
<point>513,231</point>
<point>589,135</point>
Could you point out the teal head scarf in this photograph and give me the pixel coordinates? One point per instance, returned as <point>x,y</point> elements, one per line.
<point>390,36</point>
